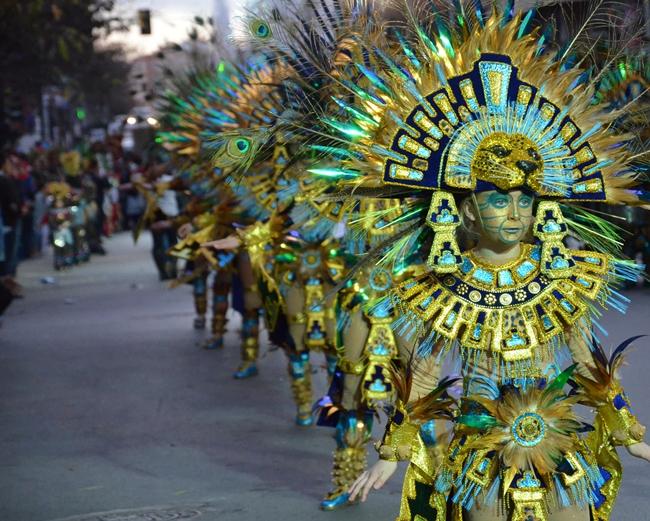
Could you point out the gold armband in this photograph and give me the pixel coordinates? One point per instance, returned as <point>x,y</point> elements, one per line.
<point>298,318</point>
<point>257,240</point>
<point>352,367</point>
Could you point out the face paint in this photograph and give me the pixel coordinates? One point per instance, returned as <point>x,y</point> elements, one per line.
<point>505,218</point>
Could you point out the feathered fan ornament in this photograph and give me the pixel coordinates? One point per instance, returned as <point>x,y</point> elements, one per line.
<point>530,430</point>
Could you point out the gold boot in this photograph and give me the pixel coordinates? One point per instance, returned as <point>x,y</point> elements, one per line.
<point>200,306</point>
<point>300,372</point>
<point>250,345</point>
<point>350,457</point>
<point>218,330</point>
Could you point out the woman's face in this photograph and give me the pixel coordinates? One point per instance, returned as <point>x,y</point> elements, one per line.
<point>504,217</point>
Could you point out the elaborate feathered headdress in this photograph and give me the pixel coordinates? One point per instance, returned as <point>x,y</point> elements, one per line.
<point>471,102</point>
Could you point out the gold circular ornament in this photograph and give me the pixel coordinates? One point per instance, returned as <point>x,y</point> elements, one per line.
<point>490,299</point>
<point>534,288</point>
<point>474,296</point>
<point>505,299</point>
<point>528,429</point>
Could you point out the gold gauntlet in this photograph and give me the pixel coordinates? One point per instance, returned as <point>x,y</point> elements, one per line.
<point>400,437</point>
<point>622,426</point>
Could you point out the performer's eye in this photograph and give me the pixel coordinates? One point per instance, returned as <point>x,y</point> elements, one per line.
<point>500,151</point>
<point>499,200</point>
<point>533,154</point>
<point>525,201</point>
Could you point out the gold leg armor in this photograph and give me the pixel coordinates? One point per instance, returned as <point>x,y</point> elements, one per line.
<point>350,457</point>
<point>300,373</point>
<point>200,302</point>
<point>219,321</point>
<point>250,345</point>
<point>381,350</point>
<point>315,332</point>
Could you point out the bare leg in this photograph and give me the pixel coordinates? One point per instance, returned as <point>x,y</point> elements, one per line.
<point>354,342</point>
<point>486,513</point>
<point>573,513</point>
<point>331,354</point>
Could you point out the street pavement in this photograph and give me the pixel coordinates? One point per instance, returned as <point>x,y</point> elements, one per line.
<point>111,411</point>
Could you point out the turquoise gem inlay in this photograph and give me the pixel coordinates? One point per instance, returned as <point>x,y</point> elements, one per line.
<point>451,318</point>
<point>433,131</point>
<point>422,152</point>
<point>414,175</point>
<point>525,269</point>
<point>476,335</point>
<point>505,278</point>
<point>428,433</point>
<point>536,254</point>
<point>515,341</point>
<point>466,265</point>
<point>380,350</point>
<point>484,276</point>
<point>380,312</point>
<point>567,305</point>
<point>528,481</point>
<point>551,227</point>
<point>559,263</point>
<point>548,324</point>
<point>378,386</point>
<point>447,258</point>
<point>445,217</point>
<point>496,100</point>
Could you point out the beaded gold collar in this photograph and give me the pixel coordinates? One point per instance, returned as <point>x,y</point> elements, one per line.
<point>507,310</point>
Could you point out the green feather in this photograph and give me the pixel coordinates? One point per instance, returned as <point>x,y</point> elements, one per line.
<point>560,380</point>
<point>477,421</point>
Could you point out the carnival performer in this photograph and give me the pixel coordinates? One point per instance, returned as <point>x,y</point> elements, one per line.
<point>60,220</point>
<point>289,239</point>
<point>487,130</point>
<point>367,346</point>
<point>206,216</point>
<point>188,111</point>
<point>314,44</point>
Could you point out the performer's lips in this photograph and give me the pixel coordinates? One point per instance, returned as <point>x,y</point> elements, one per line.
<point>516,229</point>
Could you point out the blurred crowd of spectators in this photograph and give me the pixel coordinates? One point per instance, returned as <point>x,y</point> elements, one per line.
<point>101,175</point>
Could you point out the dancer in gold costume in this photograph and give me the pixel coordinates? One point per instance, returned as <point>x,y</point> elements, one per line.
<point>482,127</point>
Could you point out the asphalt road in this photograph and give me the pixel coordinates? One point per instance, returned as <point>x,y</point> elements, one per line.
<point>109,410</point>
